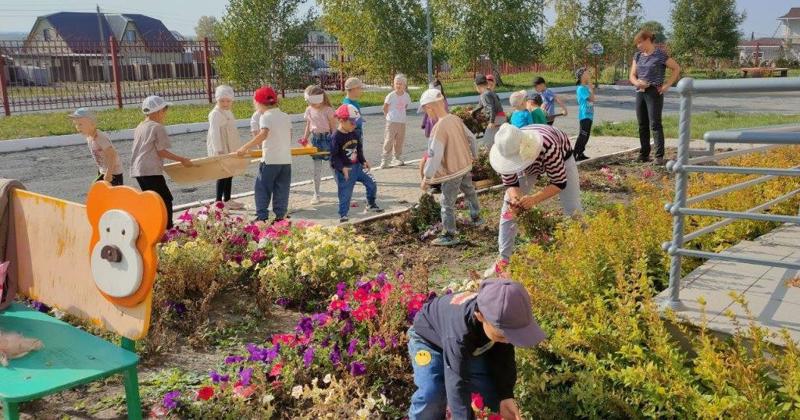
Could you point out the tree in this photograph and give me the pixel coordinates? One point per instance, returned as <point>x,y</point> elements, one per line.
<point>380,36</point>
<point>206,26</point>
<point>500,30</point>
<point>261,43</point>
<point>705,28</point>
<point>565,42</point>
<point>659,33</point>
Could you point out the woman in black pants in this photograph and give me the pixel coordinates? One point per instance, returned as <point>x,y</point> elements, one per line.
<point>647,76</point>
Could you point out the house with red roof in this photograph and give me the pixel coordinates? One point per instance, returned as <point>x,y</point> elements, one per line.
<point>765,51</point>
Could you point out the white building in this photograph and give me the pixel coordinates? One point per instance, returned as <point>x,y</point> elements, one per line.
<point>765,51</point>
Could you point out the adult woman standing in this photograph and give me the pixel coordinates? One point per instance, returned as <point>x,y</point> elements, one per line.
<point>647,75</point>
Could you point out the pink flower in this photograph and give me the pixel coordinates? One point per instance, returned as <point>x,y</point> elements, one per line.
<point>288,339</point>
<point>158,412</point>
<point>385,292</point>
<point>337,304</point>
<point>365,312</point>
<point>647,173</point>
<point>495,416</point>
<point>302,224</point>
<point>507,215</point>
<point>186,216</point>
<point>477,402</point>
<point>205,393</point>
<point>303,142</point>
<point>244,392</point>
<point>258,256</point>
<point>276,370</point>
<point>220,205</point>
<point>500,266</point>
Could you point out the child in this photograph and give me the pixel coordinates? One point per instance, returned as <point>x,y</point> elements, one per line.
<point>275,170</point>
<point>489,104</point>
<point>585,96</point>
<point>223,139</point>
<point>348,162</point>
<point>353,90</point>
<point>464,343</point>
<point>394,108</point>
<point>521,116</point>
<point>320,123</point>
<point>535,107</point>
<point>109,166</point>
<point>549,99</point>
<point>451,151</point>
<point>150,148</point>
<point>427,125</point>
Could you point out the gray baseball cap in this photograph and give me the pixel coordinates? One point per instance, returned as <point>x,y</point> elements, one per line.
<point>507,305</point>
<point>83,113</point>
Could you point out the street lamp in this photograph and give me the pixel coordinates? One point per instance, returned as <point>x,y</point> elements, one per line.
<point>430,41</point>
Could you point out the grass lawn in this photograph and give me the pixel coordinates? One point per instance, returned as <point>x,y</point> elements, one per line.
<point>56,123</point>
<point>701,123</point>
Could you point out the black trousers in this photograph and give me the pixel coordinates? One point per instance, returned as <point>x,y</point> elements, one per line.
<point>158,184</point>
<point>224,186</point>
<point>583,136</point>
<point>649,105</point>
<point>116,180</point>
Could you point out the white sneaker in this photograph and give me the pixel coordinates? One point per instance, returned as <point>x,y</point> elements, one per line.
<point>315,199</point>
<point>234,205</point>
<point>398,162</point>
<point>384,164</point>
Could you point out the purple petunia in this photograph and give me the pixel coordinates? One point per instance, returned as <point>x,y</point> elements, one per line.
<point>357,369</point>
<point>263,354</point>
<point>233,359</point>
<point>348,327</point>
<point>176,307</point>
<point>39,306</point>
<point>217,378</point>
<point>308,356</point>
<point>283,302</point>
<point>341,290</point>
<point>325,342</point>
<point>245,375</point>
<point>336,355</point>
<point>170,399</point>
<point>394,341</point>
<point>381,278</point>
<point>320,319</point>
<point>351,349</point>
<point>305,326</point>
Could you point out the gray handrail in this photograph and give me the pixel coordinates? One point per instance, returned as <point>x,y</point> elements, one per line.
<point>683,166</point>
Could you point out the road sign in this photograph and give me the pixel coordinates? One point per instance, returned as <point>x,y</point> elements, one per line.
<point>595,48</point>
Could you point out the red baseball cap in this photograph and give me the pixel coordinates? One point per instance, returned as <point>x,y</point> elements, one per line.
<point>265,95</point>
<point>490,77</point>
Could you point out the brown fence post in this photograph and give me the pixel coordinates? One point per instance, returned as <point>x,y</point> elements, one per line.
<point>3,90</point>
<point>207,68</point>
<point>116,70</point>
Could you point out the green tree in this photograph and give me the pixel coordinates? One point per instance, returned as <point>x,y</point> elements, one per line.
<point>659,33</point>
<point>565,43</point>
<point>381,37</point>
<point>705,28</point>
<point>206,26</point>
<point>497,30</point>
<point>261,43</point>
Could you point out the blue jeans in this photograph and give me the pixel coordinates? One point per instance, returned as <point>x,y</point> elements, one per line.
<point>272,184</point>
<point>346,186</point>
<point>429,401</point>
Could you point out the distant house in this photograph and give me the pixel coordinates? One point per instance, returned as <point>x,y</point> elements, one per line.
<point>323,47</point>
<point>768,50</point>
<point>70,45</point>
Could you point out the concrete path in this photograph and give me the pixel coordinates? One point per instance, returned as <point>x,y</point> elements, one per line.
<point>772,294</point>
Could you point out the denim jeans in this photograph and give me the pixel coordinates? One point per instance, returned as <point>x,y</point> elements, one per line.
<point>649,105</point>
<point>429,401</point>
<point>450,190</point>
<point>272,184</point>
<point>569,197</point>
<point>345,187</point>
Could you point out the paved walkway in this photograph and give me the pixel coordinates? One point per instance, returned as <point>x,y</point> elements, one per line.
<point>772,294</point>
<point>398,187</point>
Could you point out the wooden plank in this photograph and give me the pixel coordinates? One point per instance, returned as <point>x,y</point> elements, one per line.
<point>49,254</point>
<point>206,170</point>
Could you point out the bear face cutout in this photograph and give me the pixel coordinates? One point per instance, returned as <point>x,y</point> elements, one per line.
<point>117,265</point>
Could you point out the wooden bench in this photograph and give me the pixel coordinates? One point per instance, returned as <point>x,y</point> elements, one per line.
<point>51,245</point>
<point>760,71</point>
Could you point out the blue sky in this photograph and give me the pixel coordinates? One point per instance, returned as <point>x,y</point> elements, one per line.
<point>181,15</point>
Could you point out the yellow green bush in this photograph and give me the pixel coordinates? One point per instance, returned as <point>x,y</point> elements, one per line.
<point>610,354</point>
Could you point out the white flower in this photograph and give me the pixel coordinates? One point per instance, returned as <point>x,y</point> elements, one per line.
<point>266,399</point>
<point>362,413</point>
<point>202,216</point>
<point>327,379</point>
<point>369,404</point>
<point>247,263</point>
<point>314,382</point>
<point>347,263</point>
<point>297,391</point>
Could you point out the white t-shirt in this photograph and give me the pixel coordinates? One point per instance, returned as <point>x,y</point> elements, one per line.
<point>254,122</point>
<point>277,148</point>
<point>398,104</point>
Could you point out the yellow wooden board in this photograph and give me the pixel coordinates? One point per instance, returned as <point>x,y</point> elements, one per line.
<point>49,256</point>
<point>206,170</point>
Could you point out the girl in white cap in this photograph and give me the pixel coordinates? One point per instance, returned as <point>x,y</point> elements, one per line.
<point>520,156</point>
<point>223,138</point>
<point>320,123</point>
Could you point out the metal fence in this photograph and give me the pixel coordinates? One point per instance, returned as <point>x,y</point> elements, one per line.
<point>683,166</point>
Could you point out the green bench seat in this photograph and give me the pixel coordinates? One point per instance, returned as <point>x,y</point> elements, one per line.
<point>70,357</point>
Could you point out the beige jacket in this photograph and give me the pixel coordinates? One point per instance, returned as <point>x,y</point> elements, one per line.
<point>451,151</point>
<point>223,136</point>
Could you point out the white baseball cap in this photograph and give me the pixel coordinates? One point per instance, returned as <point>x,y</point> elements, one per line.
<point>428,97</point>
<point>153,104</point>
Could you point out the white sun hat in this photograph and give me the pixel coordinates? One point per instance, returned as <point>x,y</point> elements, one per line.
<point>428,97</point>
<point>514,149</point>
<point>152,104</point>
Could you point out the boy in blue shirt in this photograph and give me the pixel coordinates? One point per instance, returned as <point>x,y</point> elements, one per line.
<point>521,116</point>
<point>585,95</point>
<point>549,100</point>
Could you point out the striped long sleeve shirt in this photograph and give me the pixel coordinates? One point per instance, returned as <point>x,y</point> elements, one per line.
<point>556,148</point>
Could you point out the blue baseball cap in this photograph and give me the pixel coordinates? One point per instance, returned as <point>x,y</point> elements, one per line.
<point>83,113</point>
<point>507,305</point>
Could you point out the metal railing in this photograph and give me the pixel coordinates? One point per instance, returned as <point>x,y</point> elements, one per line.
<point>683,166</point>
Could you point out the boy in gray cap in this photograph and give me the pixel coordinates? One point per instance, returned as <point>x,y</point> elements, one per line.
<point>464,343</point>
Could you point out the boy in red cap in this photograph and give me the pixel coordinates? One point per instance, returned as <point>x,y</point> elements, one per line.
<point>348,161</point>
<point>463,343</point>
<point>275,170</point>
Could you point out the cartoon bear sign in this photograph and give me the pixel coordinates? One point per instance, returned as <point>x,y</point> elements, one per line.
<point>126,226</point>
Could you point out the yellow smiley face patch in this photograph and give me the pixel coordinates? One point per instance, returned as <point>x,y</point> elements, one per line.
<point>422,358</point>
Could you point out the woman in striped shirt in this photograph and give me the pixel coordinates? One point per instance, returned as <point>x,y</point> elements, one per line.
<point>520,156</point>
